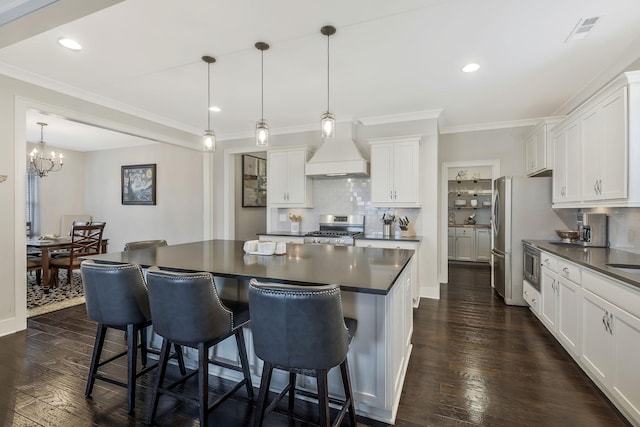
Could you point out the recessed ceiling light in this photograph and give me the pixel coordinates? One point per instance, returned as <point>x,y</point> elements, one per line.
<point>70,44</point>
<point>470,68</point>
<point>215,109</point>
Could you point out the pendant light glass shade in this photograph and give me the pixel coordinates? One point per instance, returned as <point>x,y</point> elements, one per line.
<point>328,123</point>
<point>208,137</point>
<point>262,129</point>
<point>262,134</point>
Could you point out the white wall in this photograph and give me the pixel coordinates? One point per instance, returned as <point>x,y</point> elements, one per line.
<point>177,216</point>
<point>61,193</point>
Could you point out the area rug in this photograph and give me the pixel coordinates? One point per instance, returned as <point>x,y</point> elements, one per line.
<point>58,298</point>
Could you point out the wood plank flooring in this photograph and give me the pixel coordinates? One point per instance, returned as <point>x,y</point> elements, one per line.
<point>475,361</point>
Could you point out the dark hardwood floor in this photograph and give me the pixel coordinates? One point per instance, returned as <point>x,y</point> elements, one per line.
<point>475,361</point>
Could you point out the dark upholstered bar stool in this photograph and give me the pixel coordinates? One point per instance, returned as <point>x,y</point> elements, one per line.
<point>116,297</point>
<point>144,244</point>
<point>301,329</point>
<point>187,311</point>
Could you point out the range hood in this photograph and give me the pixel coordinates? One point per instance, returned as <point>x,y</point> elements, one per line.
<point>337,157</point>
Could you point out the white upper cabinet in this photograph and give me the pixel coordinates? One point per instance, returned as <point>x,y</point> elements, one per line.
<point>566,169</point>
<point>538,151</point>
<point>604,149</point>
<point>597,149</point>
<point>286,182</point>
<point>394,172</point>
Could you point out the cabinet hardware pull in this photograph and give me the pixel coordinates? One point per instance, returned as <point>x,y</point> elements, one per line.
<point>604,322</point>
<point>595,187</point>
<point>390,194</point>
<point>395,194</point>
<point>566,270</point>
<point>533,300</point>
<point>610,323</point>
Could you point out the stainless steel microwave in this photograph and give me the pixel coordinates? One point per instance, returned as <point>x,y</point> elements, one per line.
<point>531,265</point>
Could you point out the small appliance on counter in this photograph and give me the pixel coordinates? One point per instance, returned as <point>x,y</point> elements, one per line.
<point>593,230</point>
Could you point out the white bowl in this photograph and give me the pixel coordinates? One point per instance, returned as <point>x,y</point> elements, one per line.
<point>460,203</point>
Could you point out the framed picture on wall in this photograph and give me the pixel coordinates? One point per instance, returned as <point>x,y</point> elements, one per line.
<point>254,182</point>
<point>138,184</point>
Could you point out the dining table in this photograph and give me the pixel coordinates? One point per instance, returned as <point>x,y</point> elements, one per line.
<point>47,246</point>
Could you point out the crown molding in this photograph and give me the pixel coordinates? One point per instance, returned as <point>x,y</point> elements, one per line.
<point>490,126</point>
<point>404,117</point>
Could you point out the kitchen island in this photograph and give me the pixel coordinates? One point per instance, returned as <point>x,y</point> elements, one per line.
<point>376,290</point>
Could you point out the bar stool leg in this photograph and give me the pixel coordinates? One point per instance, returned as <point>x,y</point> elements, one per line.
<point>132,352</point>
<point>95,358</point>
<point>346,380</point>
<point>162,365</point>
<point>143,346</point>
<point>244,362</point>
<point>323,397</point>
<point>292,392</point>
<point>265,382</point>
<point>203,383</point>
<point>180,357</point>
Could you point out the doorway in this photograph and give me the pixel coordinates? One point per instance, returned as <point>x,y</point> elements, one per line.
<point>466,201</point>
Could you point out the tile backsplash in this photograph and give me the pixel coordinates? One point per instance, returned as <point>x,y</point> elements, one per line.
<point>342,196</point>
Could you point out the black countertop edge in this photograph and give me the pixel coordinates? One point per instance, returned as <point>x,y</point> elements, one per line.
<point>394,238</point>
<point>595,259</point>
<point>283,233</point>
<point>368,236</point>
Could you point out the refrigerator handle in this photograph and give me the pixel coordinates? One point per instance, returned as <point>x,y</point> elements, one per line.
<point>497,254</point>
<point>495,220</point>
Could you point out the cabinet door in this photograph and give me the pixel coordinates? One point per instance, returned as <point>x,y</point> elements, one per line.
<point>381,173</point>
<point>559,178</point>
<point>625,378</point>
<point>569,320</point>
<point>465,246</point>
<point>530,155</point>
<point>451,243</point>
<point>296,179</point>
<point>592,139</point>
<point>613,154</point>
<point>597,341</point>
<point>549,310</point>
<point>277,177</point>
<point>572,162</point>
<point>483,244</point>
<point>405,173</point>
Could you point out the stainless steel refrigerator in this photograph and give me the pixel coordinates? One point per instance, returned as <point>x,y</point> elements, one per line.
<point>521,210</point>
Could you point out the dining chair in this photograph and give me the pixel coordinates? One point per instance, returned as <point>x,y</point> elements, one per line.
<point>86,240</point>
<point>34,264</point>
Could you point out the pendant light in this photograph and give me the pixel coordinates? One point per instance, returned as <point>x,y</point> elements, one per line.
<point>328,124</point>
<point>40,163</point>
<point>208,138</point>
<point>262,129</point>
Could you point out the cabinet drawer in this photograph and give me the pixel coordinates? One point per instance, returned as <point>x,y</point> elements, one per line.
<point>531,296</point>
<point>549,261</point>
<point>612,290</point>
<point>569,270</point>
<point>462,231</point>
<point>390,244</point>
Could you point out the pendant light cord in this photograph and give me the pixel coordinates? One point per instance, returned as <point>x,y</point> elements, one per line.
<point>262,85</point>
<point>328,73</point>
<point>209,96</point>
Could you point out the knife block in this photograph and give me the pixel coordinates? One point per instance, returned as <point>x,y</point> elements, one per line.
<point>407,231</point>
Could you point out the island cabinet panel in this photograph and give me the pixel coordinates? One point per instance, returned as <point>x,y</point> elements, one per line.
<point>283,239</point>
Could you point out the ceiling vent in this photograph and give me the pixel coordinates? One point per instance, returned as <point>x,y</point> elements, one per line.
<point>582,28</point>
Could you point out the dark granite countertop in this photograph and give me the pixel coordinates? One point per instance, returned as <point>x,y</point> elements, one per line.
<point>283,233</point>
<point>596,259</point>
<point>394,238</point>
<point>366,270</point>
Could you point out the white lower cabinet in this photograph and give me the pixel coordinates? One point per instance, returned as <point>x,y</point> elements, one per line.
<point>532,297</point>
<point>483,244</point>
<point>451,243</point>
<point>611,340</point>
<point>561,299</point>
<point>597,320</point>
<point>465,244</point>
<point>278,239</point>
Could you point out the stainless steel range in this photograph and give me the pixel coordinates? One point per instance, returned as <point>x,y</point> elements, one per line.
<point>337,230</point>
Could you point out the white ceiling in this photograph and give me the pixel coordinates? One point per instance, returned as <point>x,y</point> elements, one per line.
<point>388,58</point>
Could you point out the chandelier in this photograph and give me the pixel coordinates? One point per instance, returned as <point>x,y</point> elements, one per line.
<point>40,163</point>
